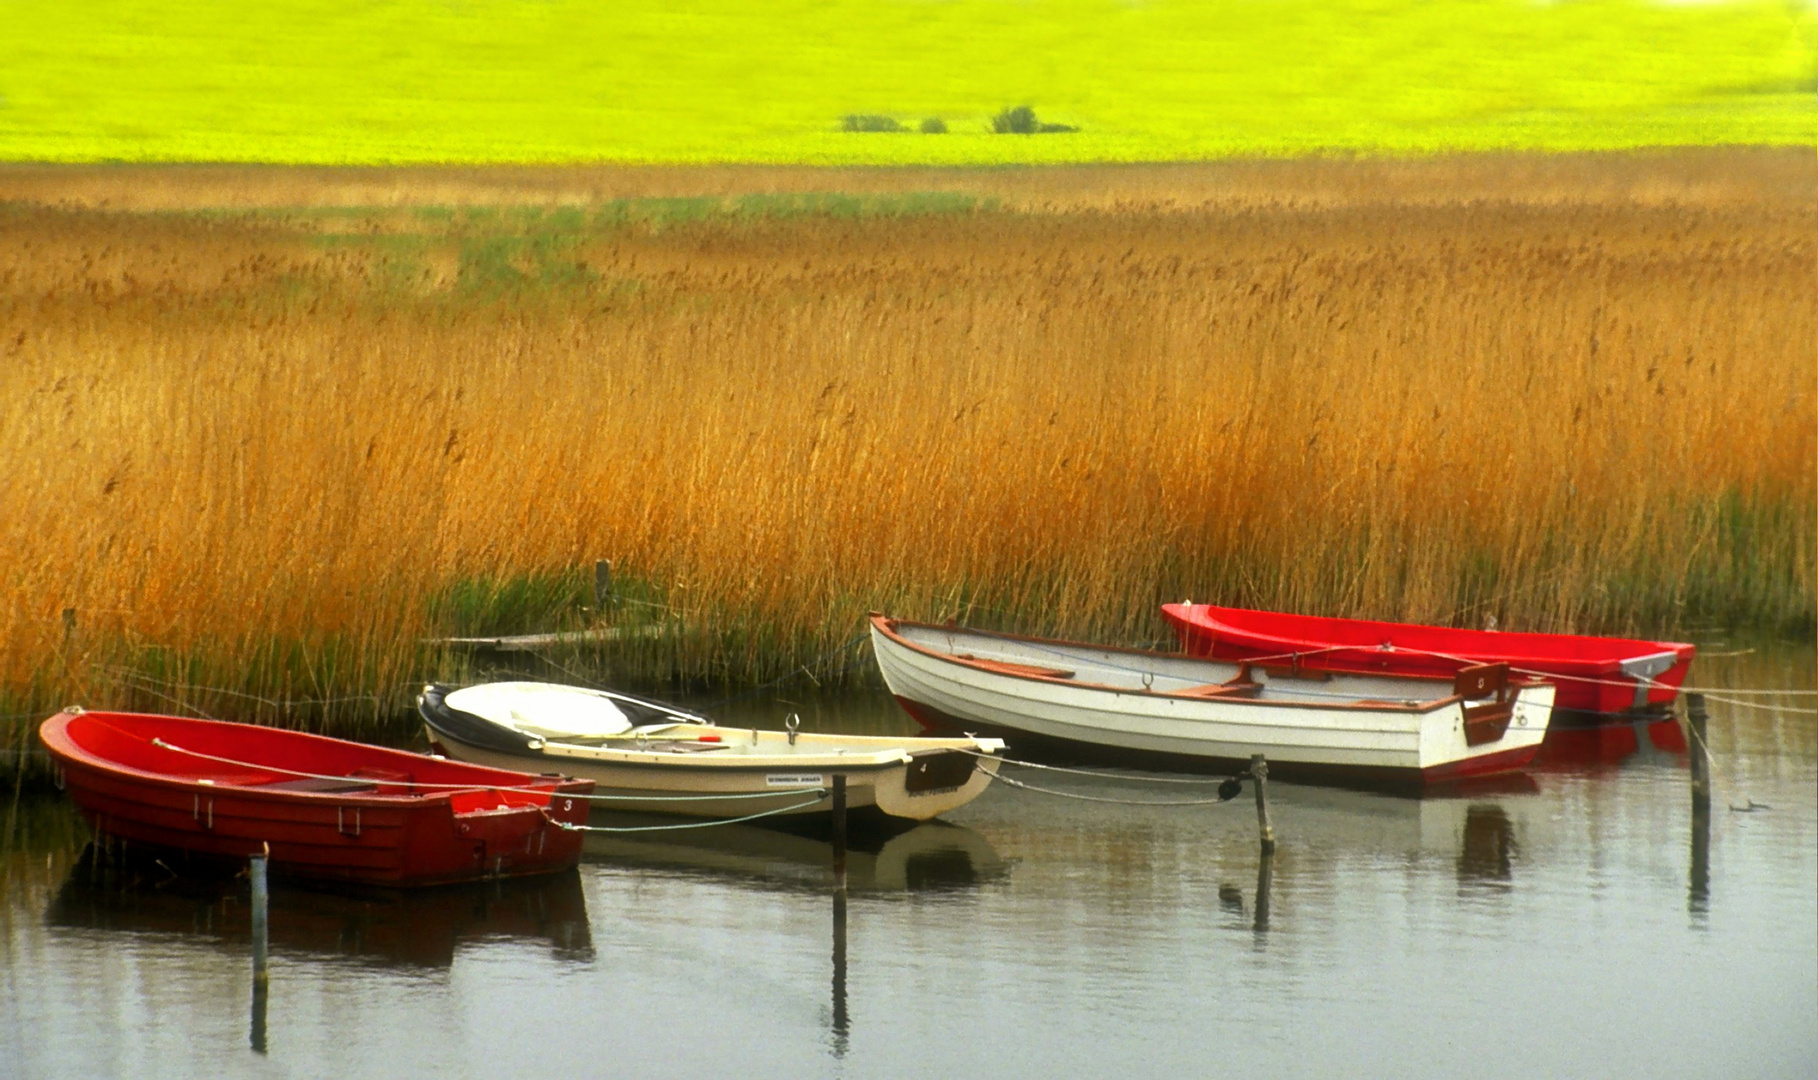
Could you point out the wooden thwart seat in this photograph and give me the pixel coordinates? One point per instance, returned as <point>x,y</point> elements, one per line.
<point>1240,685</point>
<point>322,785</point>
<point>1222,690</point>
<point>1005,667</point>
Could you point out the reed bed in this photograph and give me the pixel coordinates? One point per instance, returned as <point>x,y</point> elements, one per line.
<point>270,451</point>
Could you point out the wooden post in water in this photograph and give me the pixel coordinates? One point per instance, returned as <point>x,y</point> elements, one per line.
<point>261,929</point>
<point>1259,773</point>
<point>1698,892</point>
<point>1700,753</point>
<point>261,907</point>
<point>602,584</point>
<point>839,832</point>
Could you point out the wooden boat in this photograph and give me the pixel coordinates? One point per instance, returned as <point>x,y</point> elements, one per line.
<point>325,808</point>
<point>1594,674</point>
<point>1133,704</point>
<point>649,758</point>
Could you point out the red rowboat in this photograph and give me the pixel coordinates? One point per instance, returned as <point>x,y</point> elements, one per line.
<point>1594,674</point>
<point>327,808</point>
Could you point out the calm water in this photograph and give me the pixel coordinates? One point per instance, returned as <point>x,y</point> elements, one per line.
<point>1570,924</point>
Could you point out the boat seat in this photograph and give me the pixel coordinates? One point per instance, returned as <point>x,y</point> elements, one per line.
<point>1221,690</point>
<point>320,785</point>
<point>1240,685</point>
<point>1005,667</point>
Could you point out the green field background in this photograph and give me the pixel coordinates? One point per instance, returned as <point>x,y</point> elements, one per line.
<point>716,80</point>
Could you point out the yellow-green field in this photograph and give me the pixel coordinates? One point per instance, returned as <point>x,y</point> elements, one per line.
<point>270,448</point>
<point>713,80</point>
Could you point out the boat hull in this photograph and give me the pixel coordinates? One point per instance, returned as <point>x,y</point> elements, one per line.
<point>411,827</point>
<point>1317,739</point>
<point>1595,676</point>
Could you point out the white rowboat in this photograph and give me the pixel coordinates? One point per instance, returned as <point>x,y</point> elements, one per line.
<point>649,758</point>
<point>1129,703</point>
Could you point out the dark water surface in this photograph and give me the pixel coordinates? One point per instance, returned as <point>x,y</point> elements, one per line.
<point>1571,923</point>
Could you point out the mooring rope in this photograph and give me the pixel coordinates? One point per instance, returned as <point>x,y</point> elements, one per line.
<point>713,796</point>
<point>1756,704</point>
<point>1098,773</point>
<point>377,780</point>
<point>1101,799</point>
<point>1533,673</point>
<point>821,794</point>
<point>142,678</point>
<point>161,744</point>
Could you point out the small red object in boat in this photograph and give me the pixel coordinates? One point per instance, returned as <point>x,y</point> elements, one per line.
<point>328,808</point>
<point>1594,674</point>
<point>708,738</point>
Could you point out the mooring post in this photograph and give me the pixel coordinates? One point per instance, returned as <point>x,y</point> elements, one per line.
<point>1700,752</point>
<point>839,832</point>
<point>602,584</point>
<point>1259,772</point>
<point>261,906</point>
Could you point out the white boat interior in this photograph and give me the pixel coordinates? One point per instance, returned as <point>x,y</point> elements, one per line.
<point>555,712</point>
<point>1276,680</point>
<point>573,721</point>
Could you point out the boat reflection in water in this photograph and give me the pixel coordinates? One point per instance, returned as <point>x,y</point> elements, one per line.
<point>381,927</point>
<point>1486,851</point>
<point>930,855</point>
<point>880,858</point>
<point>1569,748</point>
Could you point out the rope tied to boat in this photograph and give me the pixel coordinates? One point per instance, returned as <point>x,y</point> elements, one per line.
<point>375,780</point>
<point>1711,692</point>
<point>1101,774</point>
<point>1228,788</point>
<point>1221,800</point>
<point>820,793</point>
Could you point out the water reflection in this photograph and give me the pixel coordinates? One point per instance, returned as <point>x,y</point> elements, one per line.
<point>1605,746</point>
<point>1485,854</point>
<point>261,1001</point>
<point>930,855</point>
<point>1265,882</point>
<point>416,928</point>
<point>1698,888</point>
<point>933,856</point>
<point>842,1019</point>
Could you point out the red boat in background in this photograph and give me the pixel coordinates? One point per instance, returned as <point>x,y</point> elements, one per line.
<point>1594,674</point>
<point>325,808</point>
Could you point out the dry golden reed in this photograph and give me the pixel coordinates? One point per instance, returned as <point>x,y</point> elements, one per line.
<point>249,447</point>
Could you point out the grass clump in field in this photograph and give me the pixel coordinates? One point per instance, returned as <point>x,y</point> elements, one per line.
<point>1021,120</point>
<point>273,451</point>
<point>871,123</point>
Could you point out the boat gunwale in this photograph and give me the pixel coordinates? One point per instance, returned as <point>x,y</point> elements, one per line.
<point>870,762</point>
<point>887,626</point>
<point>64,747</point>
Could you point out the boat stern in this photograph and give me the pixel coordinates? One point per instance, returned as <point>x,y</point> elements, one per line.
<point>1487,728</point>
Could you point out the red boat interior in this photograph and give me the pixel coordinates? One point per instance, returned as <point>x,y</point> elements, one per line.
<point>1312,632</point>
<point>271,759</point>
